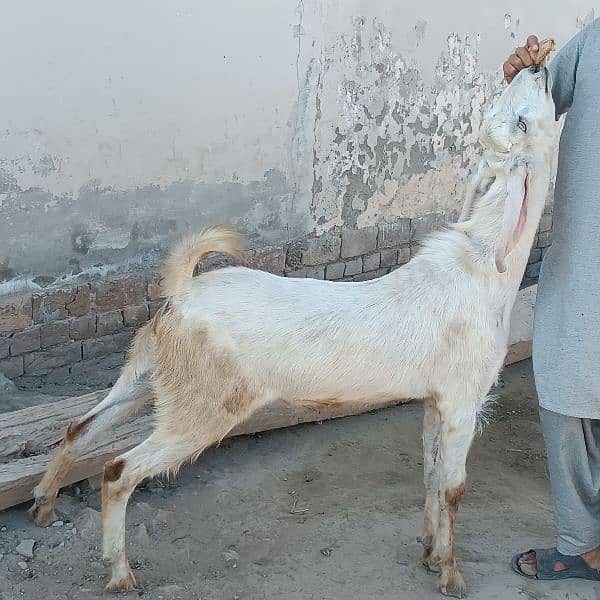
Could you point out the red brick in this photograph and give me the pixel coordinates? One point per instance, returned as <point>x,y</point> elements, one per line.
<point>15,314</point>
<point>108,344</point>
<point>55,333</point>
<point>271,259</point>
<point>155,291</point>
<point>370,275</point>
<point>59,304</point>
<point>395,234</point>
<point>12,367</point>
<point>50,306</point>
<point>335,270</point>
<point>81,303</point>
<point>45,361</point>
<point>404,254</point>
<point>109,322</point>
<point>82,328</point>
<point>356,242</point>
<point>544,239</point>
<point>135,315</point>
<point>154,306</point>
<point>310,272</point>
<point>371,262</point>
<point>319,250</point>
<point>353,267</point>
<point>4,346</point>
<point>117,294</point>
<point>422,226</point>
<point>25,341</point>
<point>545,223</point>
<point>389,258</point>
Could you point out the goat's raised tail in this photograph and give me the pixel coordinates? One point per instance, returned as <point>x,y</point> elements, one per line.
<point>182,260</point>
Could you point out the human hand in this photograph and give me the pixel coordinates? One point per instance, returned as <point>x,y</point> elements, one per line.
<point>521,58</point>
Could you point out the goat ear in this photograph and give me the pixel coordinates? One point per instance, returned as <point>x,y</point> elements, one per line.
<point>478,187</point>
<point>515,213</point>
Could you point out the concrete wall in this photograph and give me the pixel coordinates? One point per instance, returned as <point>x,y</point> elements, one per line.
<point>123,124</point>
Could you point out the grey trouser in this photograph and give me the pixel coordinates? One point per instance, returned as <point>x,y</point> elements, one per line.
<point>573,448</point>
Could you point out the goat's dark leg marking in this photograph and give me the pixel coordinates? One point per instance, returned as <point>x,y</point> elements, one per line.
<point>75,428</point>
<point>114,469</point>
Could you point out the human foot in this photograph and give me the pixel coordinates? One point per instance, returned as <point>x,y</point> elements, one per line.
<point>551,564</point>
<point>528,562</point>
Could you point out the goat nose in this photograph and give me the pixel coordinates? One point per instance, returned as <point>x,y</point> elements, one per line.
<point>535,68</point>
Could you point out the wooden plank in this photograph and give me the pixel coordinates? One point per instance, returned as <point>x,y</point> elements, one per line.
<point>33,430</point>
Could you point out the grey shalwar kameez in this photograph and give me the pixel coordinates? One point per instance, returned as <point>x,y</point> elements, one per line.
<point>566,344</point>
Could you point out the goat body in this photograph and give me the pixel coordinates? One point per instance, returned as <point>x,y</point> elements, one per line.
<point>234,339</point>
<point>397,337</point>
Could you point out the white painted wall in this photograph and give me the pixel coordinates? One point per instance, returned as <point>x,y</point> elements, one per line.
<point>153,116</point>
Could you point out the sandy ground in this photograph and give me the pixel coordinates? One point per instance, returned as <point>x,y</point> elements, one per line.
<point>224,529</point>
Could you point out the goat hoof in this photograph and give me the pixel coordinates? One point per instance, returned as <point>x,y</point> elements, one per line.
<point>446,592</point>
<point>121,582</point>
<point>42,512</point>
<point>452,584</point>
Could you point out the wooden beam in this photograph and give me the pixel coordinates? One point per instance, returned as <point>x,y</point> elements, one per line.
<point>33,430</point>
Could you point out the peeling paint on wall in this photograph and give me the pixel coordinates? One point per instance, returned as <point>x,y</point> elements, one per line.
<point>289,120</point>
<point>395,146</point>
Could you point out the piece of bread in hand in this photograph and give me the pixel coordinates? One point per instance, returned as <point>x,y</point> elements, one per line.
<point>545,47</point>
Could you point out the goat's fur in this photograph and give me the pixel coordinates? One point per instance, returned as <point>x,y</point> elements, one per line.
<point>232,340</point>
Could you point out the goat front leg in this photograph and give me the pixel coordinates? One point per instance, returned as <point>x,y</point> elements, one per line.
<point>457,430</point>
<point>431,463</point>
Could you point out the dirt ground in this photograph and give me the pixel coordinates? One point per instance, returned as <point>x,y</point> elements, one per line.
<point>321,511</point>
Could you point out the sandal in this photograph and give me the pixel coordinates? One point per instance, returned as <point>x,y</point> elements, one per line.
<point>546,558</point>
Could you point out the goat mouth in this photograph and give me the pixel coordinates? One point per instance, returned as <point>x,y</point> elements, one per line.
<point>544,73</point>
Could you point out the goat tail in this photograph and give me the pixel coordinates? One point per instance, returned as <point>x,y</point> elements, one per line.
<point>181,262</point>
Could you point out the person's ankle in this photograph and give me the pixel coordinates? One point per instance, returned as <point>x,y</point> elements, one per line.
<point>592,558</point>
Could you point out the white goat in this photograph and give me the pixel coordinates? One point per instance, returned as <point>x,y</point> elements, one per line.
<point>231,340</point>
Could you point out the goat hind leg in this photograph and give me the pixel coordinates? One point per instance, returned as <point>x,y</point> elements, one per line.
<point>128,395</point>
<point>431,463</point>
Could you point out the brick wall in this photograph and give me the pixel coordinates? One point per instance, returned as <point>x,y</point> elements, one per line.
<point>541,244</point>
<point>59,331</point>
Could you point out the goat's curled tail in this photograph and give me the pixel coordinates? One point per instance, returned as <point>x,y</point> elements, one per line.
<point>179,266</point>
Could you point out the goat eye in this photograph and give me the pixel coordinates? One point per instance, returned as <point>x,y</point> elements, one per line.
<point>522,125</point>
